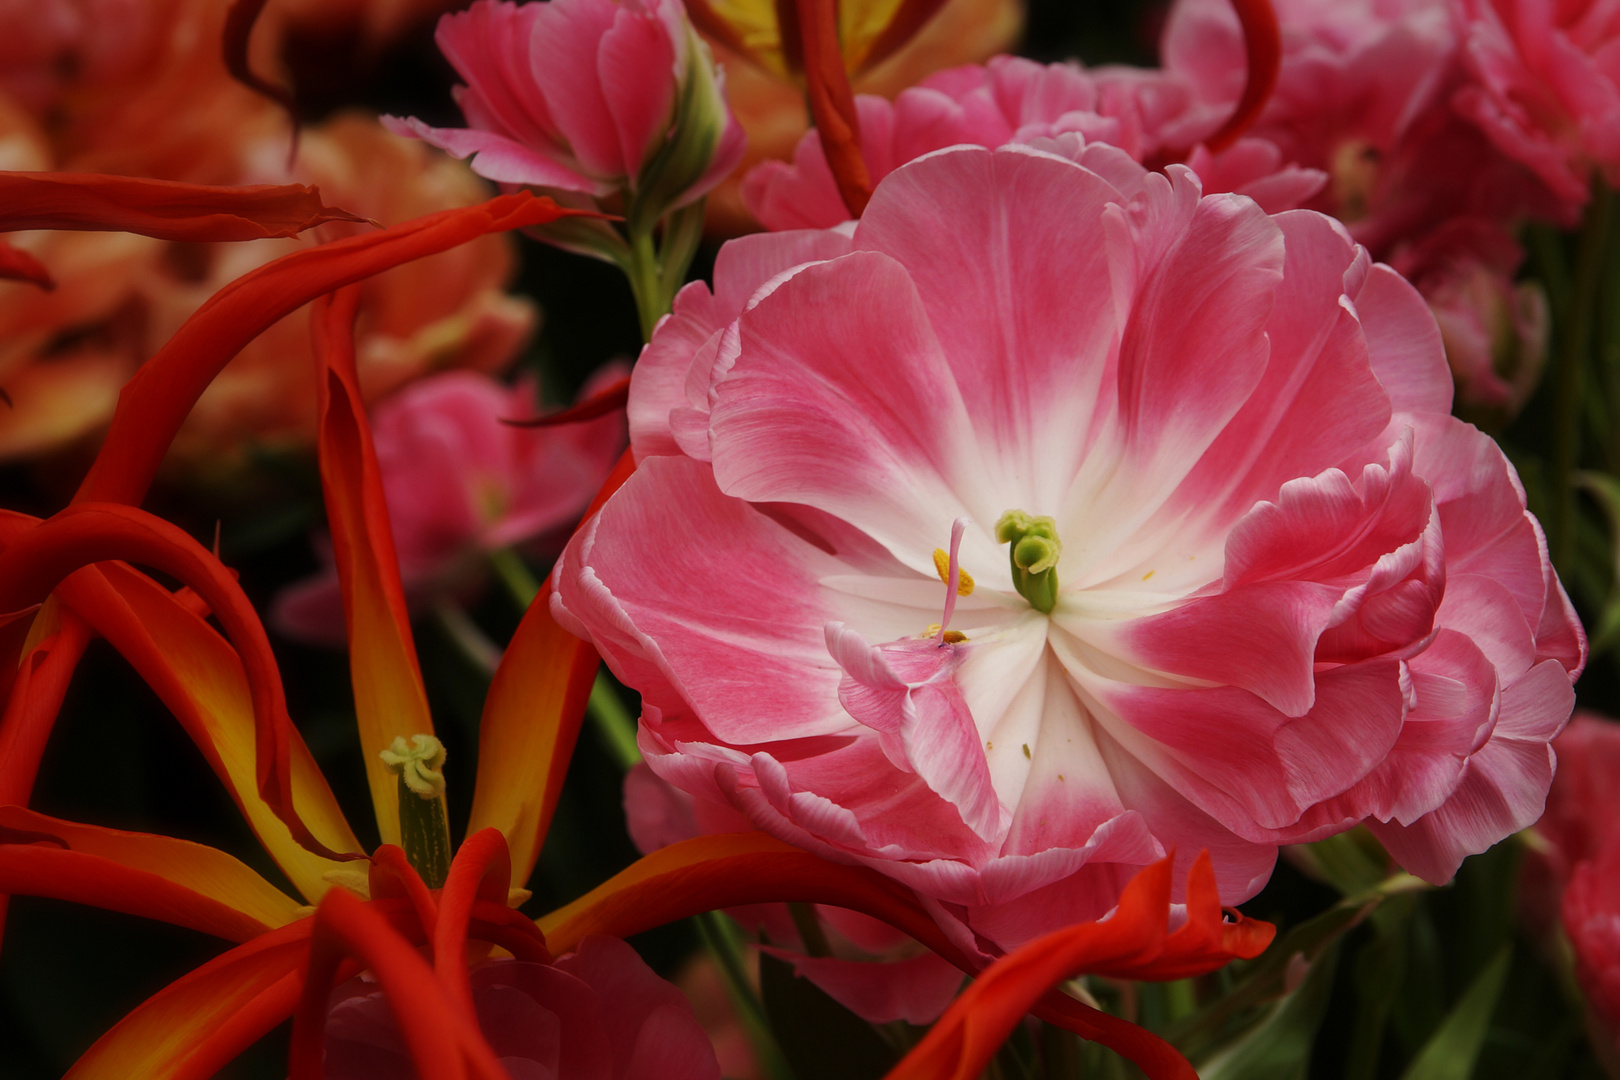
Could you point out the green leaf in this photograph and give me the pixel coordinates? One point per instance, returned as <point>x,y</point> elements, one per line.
<point>1451,1051</point>
<point>1279,1047</point>
<point>1268,978</point>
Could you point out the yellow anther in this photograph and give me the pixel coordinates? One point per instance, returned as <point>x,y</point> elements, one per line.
<point>954,637</point>
<point>419,765</point>
<point>1147,575</point>
<point>942,566</point>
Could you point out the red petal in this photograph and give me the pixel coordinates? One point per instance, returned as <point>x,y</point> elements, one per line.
<point>162,208</point>
<point>389,700</point>
<point>156,401</point>
<point>40,558</point>
<point>832,103</point>
<point>441,1041</point>
<point>1262,43</point>
<point>17,265</point>
<point>609,399</point>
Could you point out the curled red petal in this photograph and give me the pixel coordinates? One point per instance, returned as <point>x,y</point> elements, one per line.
<point>18,265</point>
<point>609,399</point>
<point>36,694</point>
<point>157,400</point>
<point>1262,46</point>
<point>733,869</point>
<point>441,1041</point>
<point>239,20</point>
<point>389,699</point>
<point>481,870</point>
<point>1132,943</point>
<point>37,560</point>
<point>832,102</point>
<point>164,209</point>
<point>392,877</point>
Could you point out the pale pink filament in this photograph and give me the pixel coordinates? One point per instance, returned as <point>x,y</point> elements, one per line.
<point>954,578</point>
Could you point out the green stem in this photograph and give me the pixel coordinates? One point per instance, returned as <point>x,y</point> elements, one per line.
<point>1574,346</point>
<point>515,574</point>
<point>809,928</point>
<point>469,640</point>
<point>613,722</point>
<point>647,283</point>
<point>720,937</point>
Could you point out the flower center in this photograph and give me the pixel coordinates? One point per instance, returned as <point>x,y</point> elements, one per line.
<point>1034,556</point>
<point>423,831</point>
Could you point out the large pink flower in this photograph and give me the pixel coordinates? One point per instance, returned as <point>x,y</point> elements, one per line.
<point>590,96</point>
<point>1013,100</point>
<point>1262,586</point>
<point>1547,85</point>
<point>596,1014</point>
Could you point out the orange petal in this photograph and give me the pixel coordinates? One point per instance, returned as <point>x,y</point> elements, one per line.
<point>157,877</point>
<point>389,700</point>
<point>1132,943</point>
<point>190,1029</point>
<point>39,558</point>
<point>531,720</point>
<point>156,401</point>
<point>161,208</point>
<point>711,872</point>
<point>200,679</point>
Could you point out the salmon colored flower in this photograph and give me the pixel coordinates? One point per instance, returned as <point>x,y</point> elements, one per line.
<point>462,484</point>
<point>411,918</point>
<point>1144,423</point>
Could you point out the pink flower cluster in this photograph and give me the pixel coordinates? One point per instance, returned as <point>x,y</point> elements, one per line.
<point>1057,515</point>
<point>1428,130</point>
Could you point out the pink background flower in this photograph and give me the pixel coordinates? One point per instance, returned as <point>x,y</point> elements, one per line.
<point>596,1014</point>
<point>576,95</point>
<point>461,484</point>
<point>1295,593</point>
<point>1547,85</point>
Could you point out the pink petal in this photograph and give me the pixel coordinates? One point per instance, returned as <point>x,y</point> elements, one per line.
<point>915,991</point>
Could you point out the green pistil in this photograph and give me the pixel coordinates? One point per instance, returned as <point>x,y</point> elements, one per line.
<point>423,831</point>
<point>1034,556</point>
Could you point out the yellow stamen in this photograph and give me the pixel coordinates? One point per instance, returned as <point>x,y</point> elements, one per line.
<point>954,637</point>
<point>942,567</point>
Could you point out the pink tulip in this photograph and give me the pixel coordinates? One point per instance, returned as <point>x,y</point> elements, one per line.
<point>1582,816</point>
<point>460,484</point>
<point>1012,100</point>
<point>1546,85</point>
<point>1365,95</point>
<point>1291,592</point>
<point>1495,331</point>
<point>587,96</point>
<point>596,1014</point>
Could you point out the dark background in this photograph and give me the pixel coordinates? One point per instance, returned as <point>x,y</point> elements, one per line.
<point>67,973</point>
